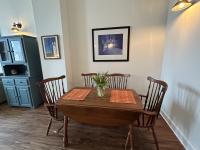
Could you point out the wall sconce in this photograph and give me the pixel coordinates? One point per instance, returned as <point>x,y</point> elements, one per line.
<point>16,27</point>
<point>181,5</point>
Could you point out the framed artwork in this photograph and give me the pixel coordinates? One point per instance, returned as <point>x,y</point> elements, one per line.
<point>111,44</point>
<point>50,45</point>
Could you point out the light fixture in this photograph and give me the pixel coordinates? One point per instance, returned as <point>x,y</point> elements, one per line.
<point>16,27</point>
<point>181,5</point>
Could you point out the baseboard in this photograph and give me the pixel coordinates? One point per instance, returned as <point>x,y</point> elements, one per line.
<point>187,145</point>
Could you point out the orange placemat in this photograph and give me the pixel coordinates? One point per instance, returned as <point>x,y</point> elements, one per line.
<point>77,94</point>
<point>122,96</point>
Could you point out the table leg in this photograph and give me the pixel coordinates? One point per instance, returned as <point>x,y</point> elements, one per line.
<point>65,140</point>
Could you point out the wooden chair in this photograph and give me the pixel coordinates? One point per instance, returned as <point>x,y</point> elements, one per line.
<point>88,81</point>
<point>152,104</point>
<point>51,90</point>
<point>118,81</point>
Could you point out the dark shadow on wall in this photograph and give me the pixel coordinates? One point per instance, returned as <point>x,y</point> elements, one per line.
<point>184,107</point>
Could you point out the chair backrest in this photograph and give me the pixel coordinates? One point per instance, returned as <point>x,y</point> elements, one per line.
<point>88,81</point>
<point>155,95</point>
<point>51,89</point>
<point>118,80</point>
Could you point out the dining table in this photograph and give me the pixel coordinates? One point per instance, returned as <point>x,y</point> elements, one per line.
<point>118,107</point>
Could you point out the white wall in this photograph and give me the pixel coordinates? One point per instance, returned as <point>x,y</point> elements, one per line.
<point>65,30</point>
<point>12,11</point>
<point>48,22</point>
<point>181,71</point>
<point>147,21</point>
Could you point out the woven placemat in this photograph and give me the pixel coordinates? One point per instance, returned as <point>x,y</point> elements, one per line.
<point>77,94</point>
<point>122,96</point>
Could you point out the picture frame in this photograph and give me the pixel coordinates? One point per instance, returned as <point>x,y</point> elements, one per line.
<point>111,44</point>
<point>51,48</point>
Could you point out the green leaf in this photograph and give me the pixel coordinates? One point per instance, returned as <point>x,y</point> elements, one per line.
<point>101,80</point>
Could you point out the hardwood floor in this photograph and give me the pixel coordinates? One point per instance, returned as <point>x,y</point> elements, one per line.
<point>25,129</point>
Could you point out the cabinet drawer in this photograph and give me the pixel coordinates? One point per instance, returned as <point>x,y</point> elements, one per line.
<point>21,82</point>
<point>8,81</point>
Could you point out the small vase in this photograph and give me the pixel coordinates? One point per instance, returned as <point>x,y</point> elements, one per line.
<point>100,92</point>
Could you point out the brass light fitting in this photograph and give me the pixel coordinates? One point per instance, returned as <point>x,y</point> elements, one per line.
<point>181,5</point>
<point>16,27</point>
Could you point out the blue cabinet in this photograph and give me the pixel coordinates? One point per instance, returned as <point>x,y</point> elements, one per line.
<point>24,96</point>
<point>5,55</point>
<point>2,93</point>
<point>16,48</point>
<point>11,95</point>
<point>20,61</point>
<point>21,91</point>
<point>17,91</point>
<point>12,50</point>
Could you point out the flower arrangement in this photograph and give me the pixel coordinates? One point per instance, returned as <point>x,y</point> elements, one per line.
<point>101,81</point>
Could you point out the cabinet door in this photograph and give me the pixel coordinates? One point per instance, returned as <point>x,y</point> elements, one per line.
<point>2,94</point>
<point>17,50</point>
<point>24,96</point>
<point>11,95</point>
<point>5,56</point>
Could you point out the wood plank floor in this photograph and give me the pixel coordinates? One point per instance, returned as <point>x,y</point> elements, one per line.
<point>24,129</point>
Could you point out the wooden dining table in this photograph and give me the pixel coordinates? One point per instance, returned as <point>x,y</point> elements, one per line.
<point>99,111</point>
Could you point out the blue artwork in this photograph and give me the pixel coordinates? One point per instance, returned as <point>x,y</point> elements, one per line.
<point>110,44</point>
<point>50,46</point>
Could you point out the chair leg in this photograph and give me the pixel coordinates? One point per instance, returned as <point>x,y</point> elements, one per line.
<point>60,129</point>
<point>129,137</point>
<point>155,138</point>
<point>49,126</point>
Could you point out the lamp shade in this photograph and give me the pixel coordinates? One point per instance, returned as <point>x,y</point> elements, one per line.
<point>181,4</point>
